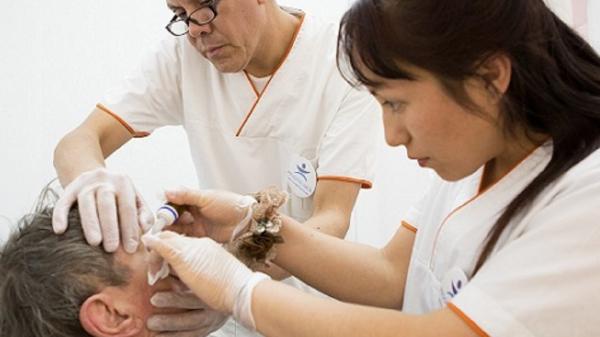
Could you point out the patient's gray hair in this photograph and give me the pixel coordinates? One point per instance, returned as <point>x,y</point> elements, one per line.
<point>45,278</point>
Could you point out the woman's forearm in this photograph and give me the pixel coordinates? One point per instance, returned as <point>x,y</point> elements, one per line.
<point>344,270</point>
<point>280,310</point>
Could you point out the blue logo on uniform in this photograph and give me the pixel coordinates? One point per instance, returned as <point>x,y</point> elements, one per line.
<point>301,171</point>
<point>455,289</point>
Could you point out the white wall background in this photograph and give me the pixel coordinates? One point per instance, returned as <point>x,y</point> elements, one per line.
<point>58,59</point>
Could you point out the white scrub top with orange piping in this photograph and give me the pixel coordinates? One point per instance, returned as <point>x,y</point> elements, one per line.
<point>243,139</point>
<point>542,278</point>
<point>244,136</point>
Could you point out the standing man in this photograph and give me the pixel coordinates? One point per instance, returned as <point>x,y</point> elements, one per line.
<point>258,92</point>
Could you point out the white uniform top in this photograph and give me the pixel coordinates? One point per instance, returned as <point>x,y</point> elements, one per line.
<point>245,139</point>
<point>543,279</point>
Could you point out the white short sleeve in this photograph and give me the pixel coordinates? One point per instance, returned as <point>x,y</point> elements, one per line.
<point>415,215</point>
<point>545,280</point>
<point>348,149</point>
<point>150,97</point>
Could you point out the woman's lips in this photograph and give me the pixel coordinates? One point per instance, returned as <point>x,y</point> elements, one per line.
<point>423,162</point>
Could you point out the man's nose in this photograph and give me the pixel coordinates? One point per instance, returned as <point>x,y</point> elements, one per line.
<point>196,30</point>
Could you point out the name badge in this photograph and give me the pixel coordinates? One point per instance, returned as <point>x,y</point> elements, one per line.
<point>301,177</point>
<point>454,281</point>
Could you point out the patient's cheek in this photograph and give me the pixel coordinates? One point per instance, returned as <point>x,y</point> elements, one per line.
<point>139,291</point>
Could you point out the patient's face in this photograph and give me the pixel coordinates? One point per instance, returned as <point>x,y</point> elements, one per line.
<point>138,290</point>
<point>133,299</point>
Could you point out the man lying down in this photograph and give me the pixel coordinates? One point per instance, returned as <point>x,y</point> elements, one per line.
<point>58,285</point>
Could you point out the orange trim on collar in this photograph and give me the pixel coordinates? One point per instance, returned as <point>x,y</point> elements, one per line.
<point>260,95</point>
<point>135,134</point>
<point>476,328</point>
<point>256,92</point>
<point>480,189</point>
<point>480,192</point>
<point>363,183</point>
<point>409,227</point>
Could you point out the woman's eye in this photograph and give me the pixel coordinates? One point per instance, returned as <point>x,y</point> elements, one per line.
<point>394,106</point>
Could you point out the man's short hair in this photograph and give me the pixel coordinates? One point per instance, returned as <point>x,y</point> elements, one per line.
<point>45,278</point>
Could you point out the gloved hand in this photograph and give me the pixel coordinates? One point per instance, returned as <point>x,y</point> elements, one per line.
<point>214,213</point>
<point>108,205</point>
<point>215,276</point>
<point>198,321</point>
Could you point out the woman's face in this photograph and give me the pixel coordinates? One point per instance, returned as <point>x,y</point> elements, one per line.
<point>436,131</point>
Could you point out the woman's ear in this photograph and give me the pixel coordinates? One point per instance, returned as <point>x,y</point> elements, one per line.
<point>101,316</point>
<point>496,71</point>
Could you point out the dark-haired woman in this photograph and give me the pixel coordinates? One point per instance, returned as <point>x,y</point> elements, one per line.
<point>502,100</point>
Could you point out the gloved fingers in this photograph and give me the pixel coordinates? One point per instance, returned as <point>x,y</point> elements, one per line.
<point>173,299</point>
<point>193,333</point>
<point>203,332</point>
<point>86,202</point>
<point>206,267</point>
<point>165,244</point>
<point>185,225</point>
<point>185,220</point>
<point>145,215</point>
<point>62,207</point>
<point>185,196</point>
<point>186,321</point>
<point>126,201</point>
<point>177,285</point>
<point>207,198</point>
<point>107,214</point>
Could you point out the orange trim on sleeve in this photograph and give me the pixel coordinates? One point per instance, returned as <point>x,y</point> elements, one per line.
<point>363,183</point>
<point>478,330</point>
<point>136,134</point>
<point>260,95</point>
<point>409,227</point>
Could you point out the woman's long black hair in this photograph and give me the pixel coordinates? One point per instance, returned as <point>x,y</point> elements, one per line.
<point>555,84</point>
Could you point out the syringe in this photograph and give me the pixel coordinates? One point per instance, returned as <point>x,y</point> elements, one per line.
<point>166,215</point>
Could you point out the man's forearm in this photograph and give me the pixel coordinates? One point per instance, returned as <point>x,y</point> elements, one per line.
<point>76,153</point>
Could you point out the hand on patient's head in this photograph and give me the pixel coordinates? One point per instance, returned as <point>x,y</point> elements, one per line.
<point>49,282</point>
<point>112,211</point>
<point>45,277</point>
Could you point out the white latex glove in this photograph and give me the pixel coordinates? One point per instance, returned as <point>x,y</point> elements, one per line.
<point>108,205</point>
<point>198,321</point>
<point>214,213</point>
<point>215,276</point>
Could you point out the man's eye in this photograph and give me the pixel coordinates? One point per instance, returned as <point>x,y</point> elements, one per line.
<point>182,16</point>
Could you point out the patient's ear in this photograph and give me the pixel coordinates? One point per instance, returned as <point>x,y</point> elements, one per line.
<point>102,316</point>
